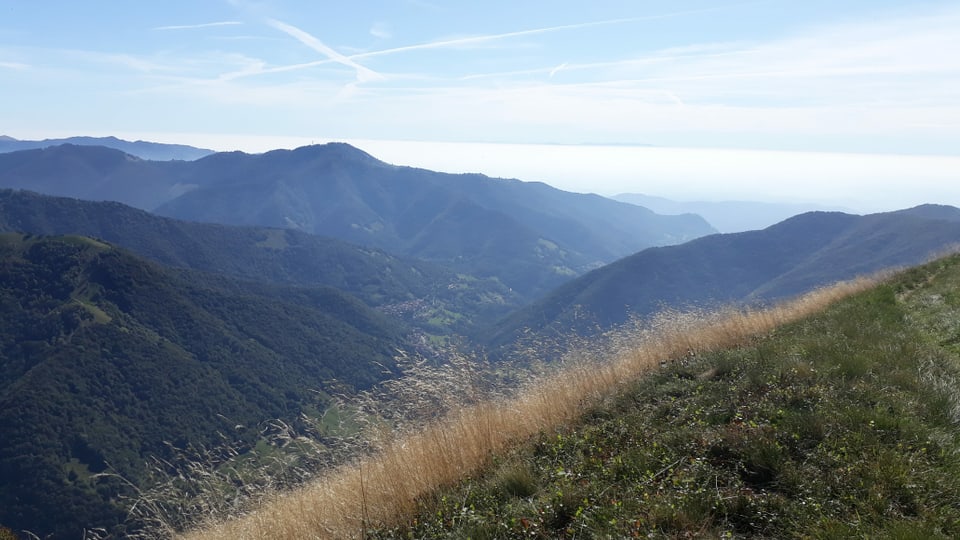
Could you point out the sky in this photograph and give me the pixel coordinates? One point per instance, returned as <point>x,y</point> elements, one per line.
<point>853,103</point>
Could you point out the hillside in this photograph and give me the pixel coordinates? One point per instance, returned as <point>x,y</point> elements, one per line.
<point>94,173</point>
<point>780,261</point>
<point>426,295</point>
<point>141,149</point>
<point>107,359</point>
<point>834,415</point>
<point>528,235</point>
<point>840,425</point>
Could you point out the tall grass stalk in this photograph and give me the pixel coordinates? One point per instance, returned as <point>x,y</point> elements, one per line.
<point>383,487</point>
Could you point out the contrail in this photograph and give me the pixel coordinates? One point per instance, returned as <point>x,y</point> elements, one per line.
<point>334,56</point>
<point>364,74</point>
<point>533,31</point>
<point>204,25</point>
<point>557,69</point>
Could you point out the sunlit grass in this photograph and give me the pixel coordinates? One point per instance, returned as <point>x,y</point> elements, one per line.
<point>835,426</point>
<point>382,489</point>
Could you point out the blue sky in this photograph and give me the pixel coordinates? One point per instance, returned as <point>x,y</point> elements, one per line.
<point>777,84</point>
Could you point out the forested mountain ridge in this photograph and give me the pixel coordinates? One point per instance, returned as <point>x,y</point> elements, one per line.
<point>105,358</point>
<point>416,290</point>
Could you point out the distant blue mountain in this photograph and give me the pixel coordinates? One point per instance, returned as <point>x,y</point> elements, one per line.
<point>727,216</point>
<point>141,149</point>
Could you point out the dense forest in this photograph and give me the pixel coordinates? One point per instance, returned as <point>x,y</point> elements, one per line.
<point>108,359</point>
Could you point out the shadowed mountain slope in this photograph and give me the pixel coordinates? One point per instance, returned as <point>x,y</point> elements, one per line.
<point>93,173</point>
<point>283,256</point>
<point>105,357</point>
<point>783,260</point>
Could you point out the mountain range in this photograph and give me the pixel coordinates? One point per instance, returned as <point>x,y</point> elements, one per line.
<point>528,235</point>
<point>141,149</point>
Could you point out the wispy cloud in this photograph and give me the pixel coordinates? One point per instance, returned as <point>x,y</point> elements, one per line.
<point>88,61</point>
<point>867,62</point>
<point>558,69</point>
<point>660,57</point>
<point>202,25</point>
<point>380,30</point>
<point>885,65</point>
<point>474,40</point>
<point>905,61</point>
<point>450,43</point>
<point>364,74</point>
<point>891,78</point>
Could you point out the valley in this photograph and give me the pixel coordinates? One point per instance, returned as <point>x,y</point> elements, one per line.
<point>292,270</point>
<point>224,307</point>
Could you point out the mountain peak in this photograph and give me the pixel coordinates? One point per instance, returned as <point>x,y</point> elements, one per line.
<point>933,211</point>
<point>338,150</point>
<point>98,152</point>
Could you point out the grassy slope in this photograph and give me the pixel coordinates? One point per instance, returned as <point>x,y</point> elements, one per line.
<point>840,425</point>
<point>402,478</point>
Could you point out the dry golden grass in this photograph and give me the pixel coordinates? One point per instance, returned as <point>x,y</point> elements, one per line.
<point>382,488</point>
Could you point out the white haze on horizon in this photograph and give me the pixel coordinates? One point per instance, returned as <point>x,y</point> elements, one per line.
<point>862,183</point>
